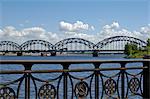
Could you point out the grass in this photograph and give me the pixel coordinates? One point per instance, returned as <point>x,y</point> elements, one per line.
<point>138,54</point>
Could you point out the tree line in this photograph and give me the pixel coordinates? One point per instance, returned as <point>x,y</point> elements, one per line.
<point>132,50</point>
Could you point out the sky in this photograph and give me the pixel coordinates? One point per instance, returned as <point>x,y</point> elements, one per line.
<point>54,20</point>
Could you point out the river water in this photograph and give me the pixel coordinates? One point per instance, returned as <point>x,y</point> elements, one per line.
<point>8,78</point>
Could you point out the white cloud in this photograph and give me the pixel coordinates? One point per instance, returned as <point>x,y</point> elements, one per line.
<point>145,29</point>
<point>109,30</point>
<point>33,30</point>
<point>1,33</point>
<point>114,29</point>
<point>20,36</point>
<point>90,37</point>
<point>70,33</point>
<point>11,31</point>
<point>79,25</point>
<point>92,28</point>
<point>114,25</point>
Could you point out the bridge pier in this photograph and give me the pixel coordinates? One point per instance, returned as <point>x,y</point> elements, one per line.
<point>19,54</point>
<point>95,53</point>
<point>53,53</point>
<point>3,54</point>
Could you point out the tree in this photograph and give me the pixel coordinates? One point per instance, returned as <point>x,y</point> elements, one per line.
<point>130,48</point>
<point>148,46</point>
<point>133,50</point>
<point>126,48</point>
<point>148,42</point>
<point>134,47</point>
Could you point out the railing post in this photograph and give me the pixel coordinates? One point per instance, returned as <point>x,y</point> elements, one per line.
<point>146,80</point>
<point>65,80</point>
<point>96,80</point>
<point>122,80</point>
<point>27,81</point>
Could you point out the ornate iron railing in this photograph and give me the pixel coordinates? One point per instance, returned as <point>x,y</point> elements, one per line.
<point>96,85</point>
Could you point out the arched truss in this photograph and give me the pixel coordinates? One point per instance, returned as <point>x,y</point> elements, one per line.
<point>78,43</point>
<point>9,46</point>
<point>29,45</point>
<point>123,39</point>
<point>32,45</point>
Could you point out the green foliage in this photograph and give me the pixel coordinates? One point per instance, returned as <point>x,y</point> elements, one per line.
<point>131,50</point>
<point>148,42</point>
<point>147,50</point>
<point>134,47</point>
<point>126,51</point>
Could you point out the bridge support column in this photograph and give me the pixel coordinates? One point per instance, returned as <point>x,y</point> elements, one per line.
<point>3,54</point>
<point>95,53</point>
<point>19,54</point>
<point>53,53</point>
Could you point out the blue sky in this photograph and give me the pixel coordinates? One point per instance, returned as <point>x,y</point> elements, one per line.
<point>130,14</point>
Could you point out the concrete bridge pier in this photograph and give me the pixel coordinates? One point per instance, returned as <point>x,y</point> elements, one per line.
<point>19,54</point>
<point>53,53</point>
<point>95,53</point>
<point>3,54</point>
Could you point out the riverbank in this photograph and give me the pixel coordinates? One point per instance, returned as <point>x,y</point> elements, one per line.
<point>140,54</point>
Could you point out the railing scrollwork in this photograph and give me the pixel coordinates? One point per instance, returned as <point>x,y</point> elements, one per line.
<point>95,85</point>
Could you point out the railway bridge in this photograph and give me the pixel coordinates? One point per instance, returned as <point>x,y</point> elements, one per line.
<point>109,45</point>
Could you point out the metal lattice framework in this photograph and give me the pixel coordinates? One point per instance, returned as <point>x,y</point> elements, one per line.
<point>73,44</point>
<point>9,45</point>
<point>77,41</point>
<point>31,45</point>
<point>121,39</point>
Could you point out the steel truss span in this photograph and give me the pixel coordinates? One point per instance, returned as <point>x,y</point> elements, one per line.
<point>112,43</point>
<point>31,45</point>
<point>76,41</point>
<point>122,40</point>
<point>9,45</point>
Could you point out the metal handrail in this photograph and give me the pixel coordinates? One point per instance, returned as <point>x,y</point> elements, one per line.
<point>66,70</point>
<point>81,89</point>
